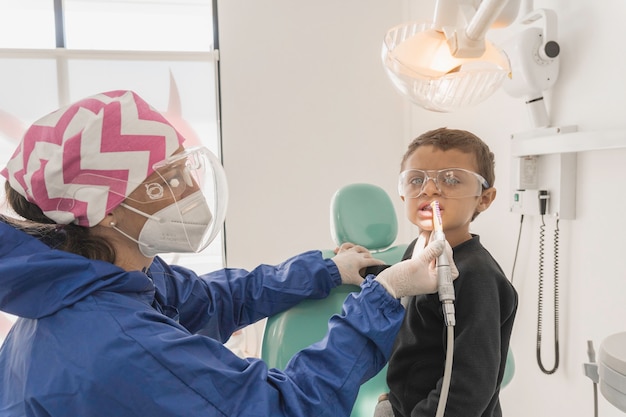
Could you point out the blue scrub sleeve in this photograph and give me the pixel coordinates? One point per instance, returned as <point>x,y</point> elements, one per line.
<point>220,302</point>
<point>329,373</point>
<point>191,375</point>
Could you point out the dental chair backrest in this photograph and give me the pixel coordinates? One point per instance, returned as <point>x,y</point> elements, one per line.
<point>362,214</point>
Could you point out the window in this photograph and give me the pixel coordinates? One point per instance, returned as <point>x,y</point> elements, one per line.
<point>54,52</point>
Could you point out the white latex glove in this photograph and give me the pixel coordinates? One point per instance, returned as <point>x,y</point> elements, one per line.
<point>417,275</point>
<point>351,260</point>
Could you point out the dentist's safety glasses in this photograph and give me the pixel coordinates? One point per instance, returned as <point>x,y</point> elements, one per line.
<point>185,201</point>
<point>450,182</point>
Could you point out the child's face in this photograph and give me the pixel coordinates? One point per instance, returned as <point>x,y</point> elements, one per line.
<point>456,213</point>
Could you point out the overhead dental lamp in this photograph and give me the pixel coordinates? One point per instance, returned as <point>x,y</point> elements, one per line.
<point>448,64</point>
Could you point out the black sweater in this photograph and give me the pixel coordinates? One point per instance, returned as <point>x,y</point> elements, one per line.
<point>485,306</point>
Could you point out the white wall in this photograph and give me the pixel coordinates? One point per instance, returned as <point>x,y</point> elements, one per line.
<point>301,120</point>
<point>306,109</point>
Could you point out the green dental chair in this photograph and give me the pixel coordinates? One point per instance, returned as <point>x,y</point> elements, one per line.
<point>362,214</point>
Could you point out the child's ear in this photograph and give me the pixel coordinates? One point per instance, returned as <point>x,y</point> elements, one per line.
<point>485,199</point>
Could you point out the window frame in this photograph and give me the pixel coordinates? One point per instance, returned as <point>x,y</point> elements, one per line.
<point>62,56</point>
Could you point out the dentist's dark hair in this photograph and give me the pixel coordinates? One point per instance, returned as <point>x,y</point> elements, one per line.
<point>68,237</point>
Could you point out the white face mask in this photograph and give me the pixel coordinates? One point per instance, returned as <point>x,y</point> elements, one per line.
<point>180,227</point>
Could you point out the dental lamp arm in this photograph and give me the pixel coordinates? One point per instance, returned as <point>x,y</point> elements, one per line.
<point>470,42</point>
<point>534,58</point>
<point>549,48</point>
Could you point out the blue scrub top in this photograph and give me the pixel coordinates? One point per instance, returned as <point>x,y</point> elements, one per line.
<point>95,340</point>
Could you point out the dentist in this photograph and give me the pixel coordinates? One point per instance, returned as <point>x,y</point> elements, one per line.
<point>107,328</point>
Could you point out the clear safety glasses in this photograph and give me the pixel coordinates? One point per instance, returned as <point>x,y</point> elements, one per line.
<point>450,182</point>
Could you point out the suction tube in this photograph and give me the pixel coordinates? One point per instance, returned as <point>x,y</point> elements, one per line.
<point>446,296</point>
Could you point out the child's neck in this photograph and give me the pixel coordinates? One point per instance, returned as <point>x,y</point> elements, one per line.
<point>455,239</point>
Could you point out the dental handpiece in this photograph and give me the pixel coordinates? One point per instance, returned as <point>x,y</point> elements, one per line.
<point>445,287</point>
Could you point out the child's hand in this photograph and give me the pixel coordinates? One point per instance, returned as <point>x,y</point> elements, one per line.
<point>351,260</point>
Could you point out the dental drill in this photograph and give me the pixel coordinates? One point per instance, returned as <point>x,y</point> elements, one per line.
<point>445,289</point>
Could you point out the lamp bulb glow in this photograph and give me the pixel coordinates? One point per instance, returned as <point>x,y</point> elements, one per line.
<point>419,63</point>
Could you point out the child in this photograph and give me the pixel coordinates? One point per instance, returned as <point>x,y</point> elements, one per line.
<point>456,168</point>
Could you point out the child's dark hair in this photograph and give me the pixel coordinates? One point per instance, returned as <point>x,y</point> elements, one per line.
<point>68,237</point>
<point>445,139</point>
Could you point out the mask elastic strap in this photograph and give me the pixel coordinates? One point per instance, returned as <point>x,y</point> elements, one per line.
<point>141,213</point>
<point>123,233</point>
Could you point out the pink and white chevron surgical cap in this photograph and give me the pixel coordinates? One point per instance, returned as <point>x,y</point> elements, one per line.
<point>80,162</point>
